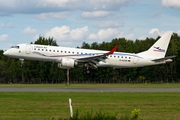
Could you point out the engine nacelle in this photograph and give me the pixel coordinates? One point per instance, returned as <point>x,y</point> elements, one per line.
<point>67,63</point>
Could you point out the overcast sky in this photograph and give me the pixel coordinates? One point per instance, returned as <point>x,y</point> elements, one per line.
<point>72,22</point>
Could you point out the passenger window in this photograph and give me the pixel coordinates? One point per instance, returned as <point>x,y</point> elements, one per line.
<point>34,48</point>
<point>64,51</point>
<point>38,49</point>
<point>126,57</point>
<point>129,57</point>
<point>81,53</point>
<point>42,49</point>
<point>121,56</point>
<point>49,50</point>
<point>69,51</point>
<point>57,50</point>
<point>114,56</point>
<point>73,52</point>
<point>46,50</point>
<point>118,56</point>
<point>77,52</point>
<point>53,50</point>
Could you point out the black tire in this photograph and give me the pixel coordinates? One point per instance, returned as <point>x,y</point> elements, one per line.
<point>84,72</point>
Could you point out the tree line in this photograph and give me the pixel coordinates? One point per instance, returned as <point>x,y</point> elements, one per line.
<point>47,72</point>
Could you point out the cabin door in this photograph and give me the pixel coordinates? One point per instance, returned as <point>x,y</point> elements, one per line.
<point>28,49</point>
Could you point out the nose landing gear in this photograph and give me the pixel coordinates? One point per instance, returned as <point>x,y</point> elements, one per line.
<point>22,60</point>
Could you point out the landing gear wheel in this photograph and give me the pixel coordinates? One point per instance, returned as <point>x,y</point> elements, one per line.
<point>21,65</point>
<point>84,72</point>
<point>88,71</point>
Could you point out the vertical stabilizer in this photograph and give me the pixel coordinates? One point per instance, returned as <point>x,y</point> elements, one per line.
<point>158,50</point>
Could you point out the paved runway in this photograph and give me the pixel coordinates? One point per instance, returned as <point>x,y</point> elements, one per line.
<point>89,89</point>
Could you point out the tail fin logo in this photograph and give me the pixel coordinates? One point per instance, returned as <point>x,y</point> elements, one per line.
<point>157,49</point>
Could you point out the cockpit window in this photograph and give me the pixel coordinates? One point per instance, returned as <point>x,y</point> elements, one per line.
<point>15,47</point>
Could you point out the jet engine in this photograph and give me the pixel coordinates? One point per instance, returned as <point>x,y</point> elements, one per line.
<point>67,63</point>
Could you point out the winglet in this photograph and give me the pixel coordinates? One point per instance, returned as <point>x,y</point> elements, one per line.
<point>112,51</point>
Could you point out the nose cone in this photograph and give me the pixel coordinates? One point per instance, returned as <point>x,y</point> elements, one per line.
<point>6,53</point>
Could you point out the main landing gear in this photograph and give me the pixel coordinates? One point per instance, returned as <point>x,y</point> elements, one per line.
<point>87,67</point>
<point>86,71</point>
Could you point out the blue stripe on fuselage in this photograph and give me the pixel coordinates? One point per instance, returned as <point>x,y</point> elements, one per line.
<point>120,54</point>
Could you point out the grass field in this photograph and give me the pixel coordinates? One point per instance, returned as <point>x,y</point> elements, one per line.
<point>159,106</point>
<point>170,85</point>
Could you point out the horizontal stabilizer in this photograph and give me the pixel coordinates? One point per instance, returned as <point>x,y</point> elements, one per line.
<point>165,58</point>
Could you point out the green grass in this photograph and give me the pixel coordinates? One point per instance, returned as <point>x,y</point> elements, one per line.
<point>159,106</point>
<point>170,85</point>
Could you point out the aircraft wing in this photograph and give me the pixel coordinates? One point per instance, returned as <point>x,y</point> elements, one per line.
<point>96,58</point>
<point>165,58</point>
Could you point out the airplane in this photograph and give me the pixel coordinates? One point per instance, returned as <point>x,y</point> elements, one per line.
<point>68,58</point>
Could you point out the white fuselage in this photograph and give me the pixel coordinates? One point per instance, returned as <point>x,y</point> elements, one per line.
<point>54,54</point>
